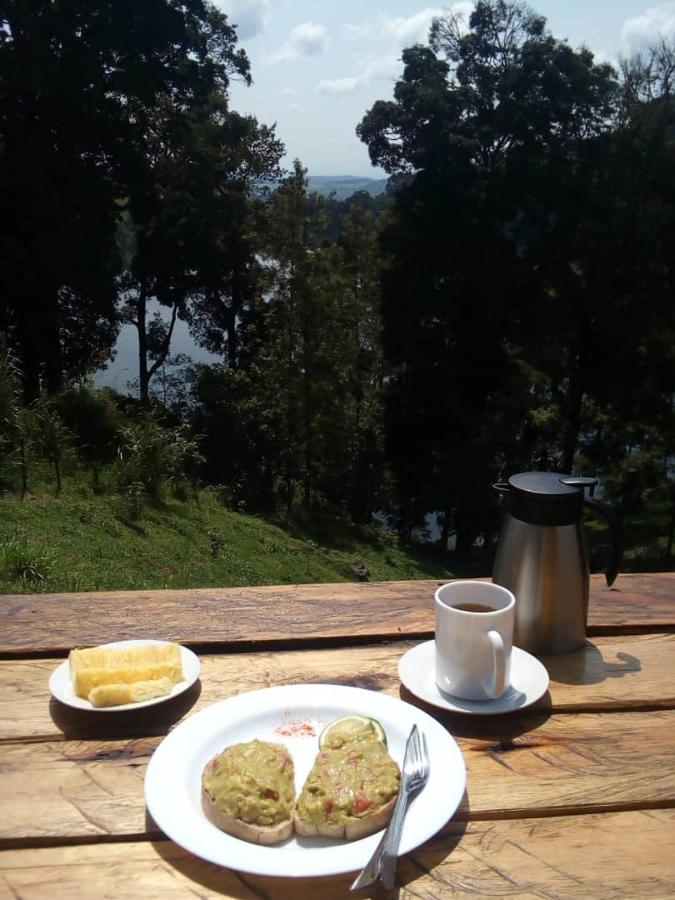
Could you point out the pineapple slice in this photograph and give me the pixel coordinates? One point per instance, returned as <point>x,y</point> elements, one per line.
<point>118,694</point>
<point>91,668</point>
<point>109,657</point>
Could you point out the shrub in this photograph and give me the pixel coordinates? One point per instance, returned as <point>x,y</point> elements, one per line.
<point>49,435</point>
<point>155,457</point>
<point>95,423</point>
<point>10,417</point>
<point>20,560</point>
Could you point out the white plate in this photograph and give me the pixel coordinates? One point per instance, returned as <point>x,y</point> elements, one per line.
<point>62,687</point>
<point>529,682</point>
<point>293,715</point>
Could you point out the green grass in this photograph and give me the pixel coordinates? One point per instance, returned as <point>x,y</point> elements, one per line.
<point>82,542</point>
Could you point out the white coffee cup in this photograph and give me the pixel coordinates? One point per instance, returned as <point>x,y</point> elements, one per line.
<point>474,637</point>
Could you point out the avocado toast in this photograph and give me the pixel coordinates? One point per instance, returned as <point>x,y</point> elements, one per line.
<point>352,787</point>
<point>248,791</point>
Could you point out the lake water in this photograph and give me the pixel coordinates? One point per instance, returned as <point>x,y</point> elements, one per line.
<point>124,368</point>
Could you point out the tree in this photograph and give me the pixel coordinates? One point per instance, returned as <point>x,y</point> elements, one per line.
<point>361,448</point>
<point>192,250</point>
<point>489,121</point>
<point>297,422</point>
<point>80,85</point>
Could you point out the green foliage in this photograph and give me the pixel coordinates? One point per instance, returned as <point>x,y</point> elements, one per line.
<point>50,436</point>
<point>94,421</point>
<point>526,285</point>
<point>298,421</point>
<point>506,305</point>
<point>198,543</point>
<point>125,114</point>
<point>153,459</point>
<point>23,564</point>
<point>10,416</point>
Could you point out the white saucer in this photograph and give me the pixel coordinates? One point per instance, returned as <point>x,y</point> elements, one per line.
<point>529,682</point>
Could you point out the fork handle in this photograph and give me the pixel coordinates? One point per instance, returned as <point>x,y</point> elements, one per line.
<point>391,840</point>
<point>374,868</point>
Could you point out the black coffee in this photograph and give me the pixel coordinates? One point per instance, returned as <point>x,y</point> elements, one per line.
<point>473,607</point>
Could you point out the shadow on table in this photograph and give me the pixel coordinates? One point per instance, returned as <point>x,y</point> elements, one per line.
<point>242,886</point>
<point>501,728</point>
<point>588,666</point>
<point>144,721</point>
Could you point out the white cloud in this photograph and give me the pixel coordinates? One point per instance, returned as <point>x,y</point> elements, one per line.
<point>307,39</point>
<point>250,16</point>
<point>403,31</point>
<point>338,85</point>
<point>289,92</point>
<point>369,70</point>
<point>645,29</point>
<point>356,31</point>
<point>388,36</point>
<point>411,30</point>
<point>386,66</point>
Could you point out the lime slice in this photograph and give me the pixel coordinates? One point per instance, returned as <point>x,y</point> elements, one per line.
<point>349,728</point>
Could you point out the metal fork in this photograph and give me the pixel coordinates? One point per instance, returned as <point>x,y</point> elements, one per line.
<point>382,864</point>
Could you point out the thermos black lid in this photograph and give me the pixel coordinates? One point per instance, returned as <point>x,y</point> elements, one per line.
<point>547,498</point>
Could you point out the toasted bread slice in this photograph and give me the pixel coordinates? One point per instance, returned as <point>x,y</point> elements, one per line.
<point>349,793</point>
<point>354,827</point>
<point>248,791</point>
<point>247,831</point>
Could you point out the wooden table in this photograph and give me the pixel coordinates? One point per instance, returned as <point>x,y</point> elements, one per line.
<point>573,798</point>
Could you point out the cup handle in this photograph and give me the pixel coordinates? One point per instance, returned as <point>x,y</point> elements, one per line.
<point>499,657</point>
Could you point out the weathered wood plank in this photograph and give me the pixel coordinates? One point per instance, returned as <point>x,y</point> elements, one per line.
<point>613,855</point>
<point>526,765</point>
<point>287,614</point>
<point>618,672</point>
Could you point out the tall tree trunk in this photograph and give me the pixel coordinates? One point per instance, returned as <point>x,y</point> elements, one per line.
<point>671,529</point>
<point>234,310</point>
<point>572,430</point>
<point>145,372</point>
<point>141,326</point>
<point>445,530</point>
<point>53,352</point>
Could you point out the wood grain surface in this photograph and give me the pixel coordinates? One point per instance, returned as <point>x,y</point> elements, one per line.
<point>611,855</point>
<point>573,797</point>
<point>617,672</point>
<point>528,765</point>
<point>287,614</point>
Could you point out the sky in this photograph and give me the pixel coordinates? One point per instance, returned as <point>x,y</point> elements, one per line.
<point>319,65</point>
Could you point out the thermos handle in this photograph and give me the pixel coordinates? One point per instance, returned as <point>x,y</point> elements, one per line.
<point>616,553</point>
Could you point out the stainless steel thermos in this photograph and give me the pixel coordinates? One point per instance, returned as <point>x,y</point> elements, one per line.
<point>542,558</point>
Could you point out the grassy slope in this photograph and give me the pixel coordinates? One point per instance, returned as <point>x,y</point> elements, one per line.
<point>82,542</point>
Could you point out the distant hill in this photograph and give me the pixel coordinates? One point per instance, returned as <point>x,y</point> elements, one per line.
<point>346,185</point>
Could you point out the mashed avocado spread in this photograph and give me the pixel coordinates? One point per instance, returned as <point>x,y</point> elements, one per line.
<point>253,781</point>
<point>352,776</point>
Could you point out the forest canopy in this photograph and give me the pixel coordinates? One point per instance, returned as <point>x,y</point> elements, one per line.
<point>506,305</point>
